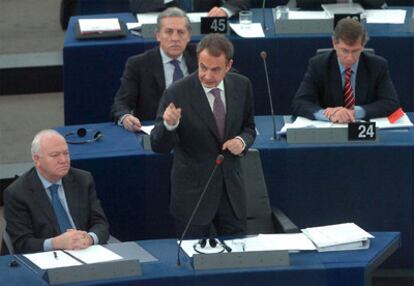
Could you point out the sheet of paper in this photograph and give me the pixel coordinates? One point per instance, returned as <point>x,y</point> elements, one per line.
<point>147,18</point>
<point>99,25</point>
<point>48,260</point>
<point>385,16</point>
<point>94,254</point>
<point>147,129</point>
<point>302,122</point>
<point>254,30</point>
<point>196,17</point>
<point>268,242</point>
<point>133,25</point>
<point>384,123</point>
<point>307,15</point>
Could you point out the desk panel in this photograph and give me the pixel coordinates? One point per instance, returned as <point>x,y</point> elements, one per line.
<point>93,68</point>
<point>370,184</point>
<point>306,268</point>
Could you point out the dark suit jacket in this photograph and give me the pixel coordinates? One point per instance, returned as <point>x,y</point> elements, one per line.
<point>143,6</point>
<point>143,83</point>
<point>316,4</point>
<point>196,144</point>
<point>322,87</point>
<point>30,216</point>
<point>233,5</point>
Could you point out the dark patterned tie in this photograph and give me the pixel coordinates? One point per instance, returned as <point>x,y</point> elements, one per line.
<point>219,111</point>
<point>61,214</point>
<point>349,99</point>
<point>178,73</point>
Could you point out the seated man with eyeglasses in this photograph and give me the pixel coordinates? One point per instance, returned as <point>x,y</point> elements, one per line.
<point>346,84</point>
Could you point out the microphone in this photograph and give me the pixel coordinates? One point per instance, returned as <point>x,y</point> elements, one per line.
<point>263,55</point>
<point>264,16</point>
<point>219,160</point>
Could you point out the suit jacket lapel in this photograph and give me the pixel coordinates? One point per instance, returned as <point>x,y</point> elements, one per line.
<point>72,197</point>
<point>336,81</point>
<point>231,104</point>
<point>159,76</point>
<point>361,82</point>
<point>42,200</point>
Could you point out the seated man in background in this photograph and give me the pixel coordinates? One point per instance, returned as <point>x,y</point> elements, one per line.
<point>147,75</point>
<point>53,206</point>
<point>215,8</point>
<point>316,4</point>
<point>346,84</point>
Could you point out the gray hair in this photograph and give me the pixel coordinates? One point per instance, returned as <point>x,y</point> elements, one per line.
<point>173,12</point>
<point>350,31</point>
<point>38,137</point>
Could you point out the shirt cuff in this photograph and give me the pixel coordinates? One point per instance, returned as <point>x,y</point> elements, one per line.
<point>94,237</point>
<point>47,245</point>
<point>359,112</point>
<point>320,116</point>
<point>121,119</point>
<point>227,11</point>
<point>241,139</point>
<point>171,127</point>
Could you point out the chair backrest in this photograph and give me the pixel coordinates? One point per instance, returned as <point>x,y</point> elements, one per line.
<point>327,50</point>
<point>259,211</point>
<point>6,246</point>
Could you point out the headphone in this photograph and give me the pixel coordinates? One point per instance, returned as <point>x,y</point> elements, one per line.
<point>210,245</point>
<point>81,133</point>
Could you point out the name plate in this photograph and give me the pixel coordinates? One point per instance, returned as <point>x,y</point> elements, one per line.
<point>214,25</point>
<point>362,131</point>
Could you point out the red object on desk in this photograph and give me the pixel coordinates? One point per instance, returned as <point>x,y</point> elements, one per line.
<point>396,115</point>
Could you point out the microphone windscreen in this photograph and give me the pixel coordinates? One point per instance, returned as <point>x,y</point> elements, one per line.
<point>263,55</point>
<point>219,159</point>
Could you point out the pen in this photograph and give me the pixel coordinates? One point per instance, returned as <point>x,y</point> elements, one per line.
<point>55,254</point>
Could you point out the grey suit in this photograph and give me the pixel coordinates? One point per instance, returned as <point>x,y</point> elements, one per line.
<point>143,83</point>
<point>30,216</point>
<point>322,87</point>
<point>196,144</point>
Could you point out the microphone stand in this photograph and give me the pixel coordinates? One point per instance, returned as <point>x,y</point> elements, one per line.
<point>263,55</point>
<point>265,27</point>
<point>218,162</point>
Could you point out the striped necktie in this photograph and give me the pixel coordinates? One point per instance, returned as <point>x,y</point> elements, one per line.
<point>219,111</point>
<point>349,99</point>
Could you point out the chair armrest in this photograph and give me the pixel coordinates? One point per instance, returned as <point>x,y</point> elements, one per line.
<point>284,223</point>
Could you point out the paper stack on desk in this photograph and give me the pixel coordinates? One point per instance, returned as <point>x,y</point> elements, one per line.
<point>91,26</point>
<point>338,237</point>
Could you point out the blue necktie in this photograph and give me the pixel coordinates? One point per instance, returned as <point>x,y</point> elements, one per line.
<point>178,73</point>
<point>61,214</point>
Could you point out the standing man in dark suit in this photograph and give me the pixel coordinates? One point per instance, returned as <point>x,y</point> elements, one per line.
<point>215,8</point>
<point>53,206</point>
<point>147,75</point>
<point>208,113</point>
<point>346,84</point>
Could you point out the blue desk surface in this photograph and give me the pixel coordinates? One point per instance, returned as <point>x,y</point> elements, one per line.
<point>370,184</point>
<point>93,68</point>
<point>306,268</point>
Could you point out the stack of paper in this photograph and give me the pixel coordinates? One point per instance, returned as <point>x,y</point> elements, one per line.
<point>338,237</point>
<point>91,26</point>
